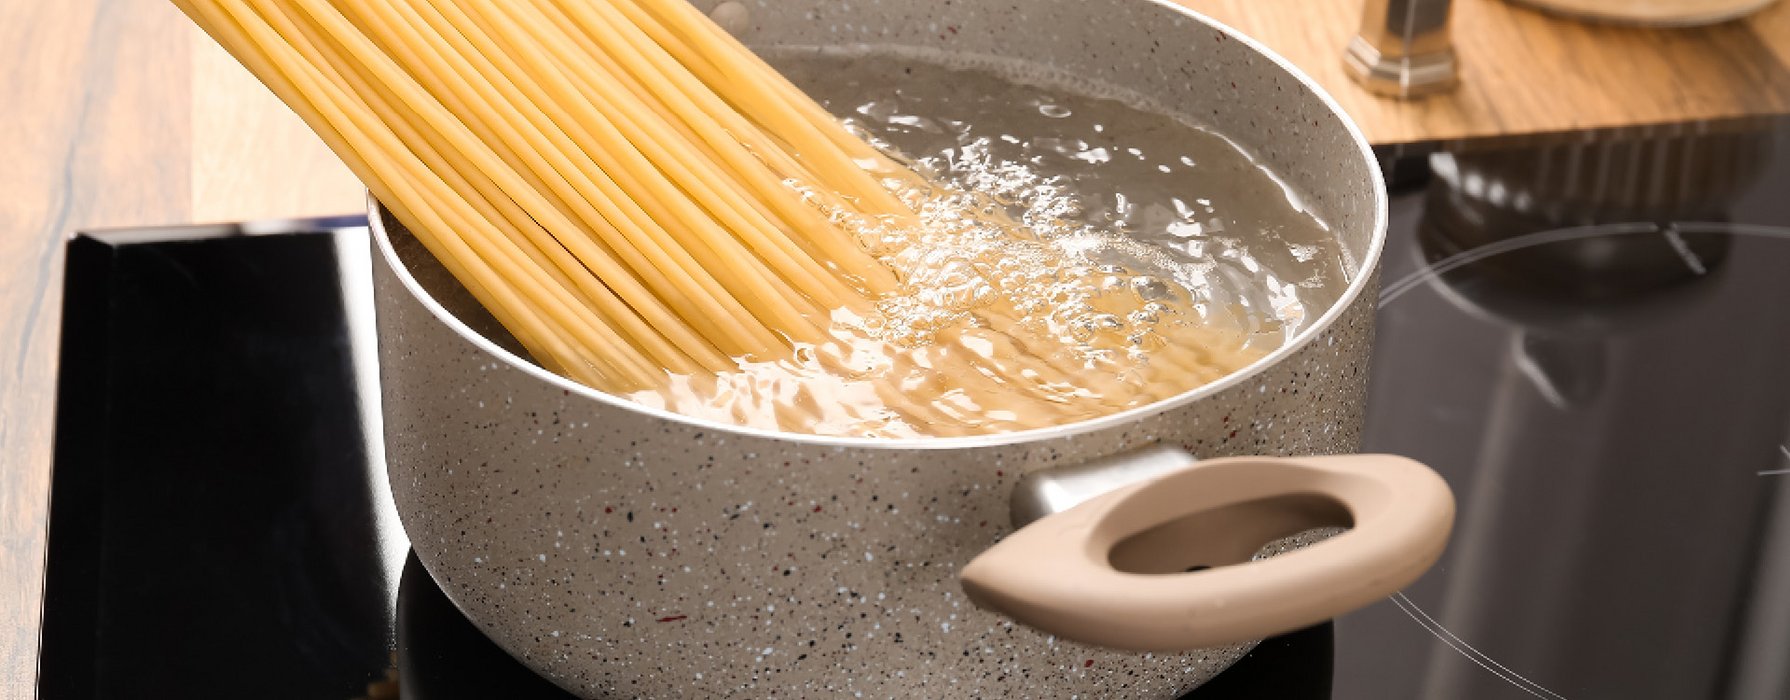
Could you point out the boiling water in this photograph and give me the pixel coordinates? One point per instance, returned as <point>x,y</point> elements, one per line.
<point>1076,250</point>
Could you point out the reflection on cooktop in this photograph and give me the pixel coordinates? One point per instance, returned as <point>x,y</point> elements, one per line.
<point>442,655</point>
<point>1588,341</point>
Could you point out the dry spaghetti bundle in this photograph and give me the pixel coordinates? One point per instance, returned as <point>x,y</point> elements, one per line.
<point>649,207</point>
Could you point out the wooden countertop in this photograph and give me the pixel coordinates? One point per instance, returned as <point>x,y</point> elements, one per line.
<point>117,113</point>
<point>1524,71</point>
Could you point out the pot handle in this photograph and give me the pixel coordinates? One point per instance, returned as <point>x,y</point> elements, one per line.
<point>1166,564</point>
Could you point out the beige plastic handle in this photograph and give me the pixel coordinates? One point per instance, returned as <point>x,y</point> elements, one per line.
<point>1115,570</point>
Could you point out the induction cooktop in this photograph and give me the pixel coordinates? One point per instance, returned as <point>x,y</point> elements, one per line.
<point>1587,334</point>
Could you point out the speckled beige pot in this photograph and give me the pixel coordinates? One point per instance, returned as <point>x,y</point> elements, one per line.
<point>624,552</point>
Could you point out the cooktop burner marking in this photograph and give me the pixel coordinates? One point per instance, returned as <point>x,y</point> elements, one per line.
<point>1422,618</point>
<point>1684,251</point>
<point>1774,472</point>
<point>1672,231</point>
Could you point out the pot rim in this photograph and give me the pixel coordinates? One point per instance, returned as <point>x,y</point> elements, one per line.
<point>1364,274</point>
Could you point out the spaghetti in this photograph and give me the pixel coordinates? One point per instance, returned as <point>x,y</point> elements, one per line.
<point>652,210</point>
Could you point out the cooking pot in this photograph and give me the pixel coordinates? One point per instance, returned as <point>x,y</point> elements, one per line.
<point>624,551</point>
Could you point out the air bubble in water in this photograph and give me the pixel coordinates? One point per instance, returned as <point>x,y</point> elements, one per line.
<point>1150,288</point>
<point>1183,229</point>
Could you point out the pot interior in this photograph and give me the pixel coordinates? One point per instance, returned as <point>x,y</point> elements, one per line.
<point>1186,66</point>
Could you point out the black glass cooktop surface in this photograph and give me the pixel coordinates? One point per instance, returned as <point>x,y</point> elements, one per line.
<point>1586,334</point>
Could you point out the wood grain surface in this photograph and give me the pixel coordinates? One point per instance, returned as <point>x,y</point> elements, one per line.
<point>118,113</point>
<point>1525,71</point>
<point>252,157</point>
<point>112,114</point>
<point>94,114</point>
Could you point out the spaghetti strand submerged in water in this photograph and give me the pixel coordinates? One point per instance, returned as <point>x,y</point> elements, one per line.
<point>652,210</point>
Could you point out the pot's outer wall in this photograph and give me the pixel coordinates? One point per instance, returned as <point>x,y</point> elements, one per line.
<point>624,555</point>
